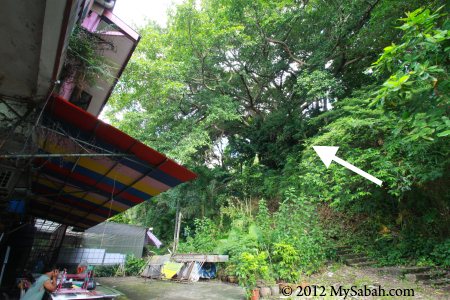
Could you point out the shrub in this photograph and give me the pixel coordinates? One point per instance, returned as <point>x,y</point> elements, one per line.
<point>204,238</point>
<point>105,271</point>
<point>286,260</point>
<point>252,267</point>
<point>133,265</point>
<point>441,254</point>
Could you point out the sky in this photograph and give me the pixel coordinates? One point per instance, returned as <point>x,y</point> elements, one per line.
<point>136,13</point>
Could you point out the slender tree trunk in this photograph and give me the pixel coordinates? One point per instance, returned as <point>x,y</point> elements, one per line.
<point>176,235</point>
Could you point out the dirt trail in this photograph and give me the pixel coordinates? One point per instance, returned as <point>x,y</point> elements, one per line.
<point>340,275</point>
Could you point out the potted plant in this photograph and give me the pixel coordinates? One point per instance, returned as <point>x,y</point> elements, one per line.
<point>265,285</point>
<point>274,289</point>
<point>271,287</point>
<point>252,267</point>
<point>230,271</point>
<point>254,294</point>
<point>232,279</point>
<point>221,274</point>
<point>247,279</point>
<point>264,291</point>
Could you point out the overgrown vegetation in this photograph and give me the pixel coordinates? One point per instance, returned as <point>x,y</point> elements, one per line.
<point>84,64</point>
<point>240,91</point>
<point>106,271</point>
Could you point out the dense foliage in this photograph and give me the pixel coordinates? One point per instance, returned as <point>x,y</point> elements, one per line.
<point>84,65</point>
<point>239,91</point>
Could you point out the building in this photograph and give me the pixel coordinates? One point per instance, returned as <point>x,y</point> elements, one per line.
<point>59,162</point>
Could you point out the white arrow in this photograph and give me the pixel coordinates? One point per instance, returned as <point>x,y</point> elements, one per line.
<point>328,154</point>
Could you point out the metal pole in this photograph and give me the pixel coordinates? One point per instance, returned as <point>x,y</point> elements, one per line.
<point>78,141</point>
<point>56,251</point>
<point>5,262</point>
<point>17,228</point>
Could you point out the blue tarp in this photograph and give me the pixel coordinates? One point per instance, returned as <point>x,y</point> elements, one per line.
<point>208,271</point>
<point>16,206</point>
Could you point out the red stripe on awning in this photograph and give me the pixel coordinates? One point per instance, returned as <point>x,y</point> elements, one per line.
<point>148,169</point>
<point>66,111</point>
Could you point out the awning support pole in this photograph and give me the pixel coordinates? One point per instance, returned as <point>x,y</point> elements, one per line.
<point>5,262</point>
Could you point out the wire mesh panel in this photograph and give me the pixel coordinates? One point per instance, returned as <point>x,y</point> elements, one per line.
<point>114,259</point>
<point>104,244</point>
<point>47,240</point>
<point>96,257</point>
<point>78,255</point>
<point>116,238</point>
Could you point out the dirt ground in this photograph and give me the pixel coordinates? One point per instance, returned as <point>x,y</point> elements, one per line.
<point>339,275</point>
<point>335,275</point>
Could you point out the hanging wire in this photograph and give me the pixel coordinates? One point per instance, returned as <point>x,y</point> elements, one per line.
<point>46,102</point>
<point>38,118</point>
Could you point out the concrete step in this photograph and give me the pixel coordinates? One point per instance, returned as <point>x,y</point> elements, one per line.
<point>441,282</point>
<point>414,270</point>
<point>345,252</point>
<point>357,260</point>
<point>353,255</point>
<point>433,274</point>
<point>364,264</point>
<point>401,271</point>
<point>344,247</point>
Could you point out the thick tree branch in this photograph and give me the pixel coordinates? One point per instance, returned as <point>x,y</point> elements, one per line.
<point>286,48</point>
<point>353,61</point>
<point>247,90</point>
<point>365,17</point>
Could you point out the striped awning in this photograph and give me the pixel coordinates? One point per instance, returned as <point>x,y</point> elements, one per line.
<point>88,171</point>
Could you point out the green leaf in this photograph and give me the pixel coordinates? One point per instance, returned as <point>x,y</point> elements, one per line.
<point>443,133</point>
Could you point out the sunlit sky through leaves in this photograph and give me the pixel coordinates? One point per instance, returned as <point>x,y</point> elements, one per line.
<point>136,13</point>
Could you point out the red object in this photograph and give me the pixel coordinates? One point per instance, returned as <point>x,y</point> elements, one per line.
<point>75,116</point>
<point>79,276</point>
<point>255,294</point>
<point>83,192</point>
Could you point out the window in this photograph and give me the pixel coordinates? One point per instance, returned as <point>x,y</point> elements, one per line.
<point>80,98</point>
